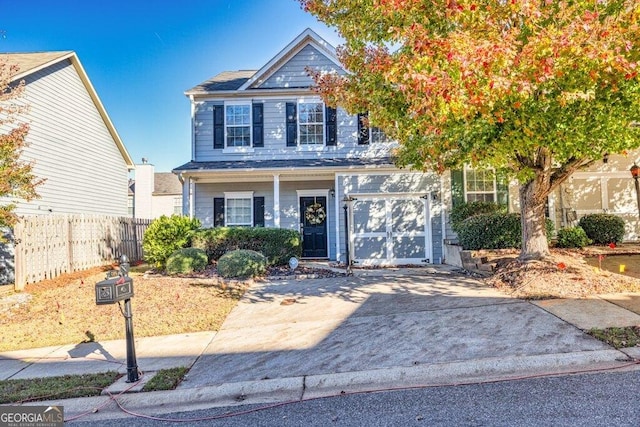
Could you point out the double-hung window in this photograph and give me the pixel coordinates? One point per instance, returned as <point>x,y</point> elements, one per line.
<point>378,135</point>
<point>237,125</point>
<point>238,208</point>
<point>311,123</point>
<point>480,185</point>
<point>369,134</point>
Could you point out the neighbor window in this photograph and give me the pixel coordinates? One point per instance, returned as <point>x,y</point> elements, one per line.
<point>238,125</point>
<point>177,205</point>
<point>311,123</point>
<point>479,185</point>
<point>239,208</point>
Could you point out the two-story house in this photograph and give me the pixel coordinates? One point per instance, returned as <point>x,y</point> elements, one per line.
<point>268,152</point>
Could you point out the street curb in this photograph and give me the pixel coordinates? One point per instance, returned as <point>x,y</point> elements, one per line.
<point>318,386</point>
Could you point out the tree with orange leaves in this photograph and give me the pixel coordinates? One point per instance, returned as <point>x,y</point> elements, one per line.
<point>533,89</point>
<point>16,178</point>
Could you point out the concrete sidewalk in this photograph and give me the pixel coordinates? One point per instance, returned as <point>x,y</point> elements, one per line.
<point>291,340</point>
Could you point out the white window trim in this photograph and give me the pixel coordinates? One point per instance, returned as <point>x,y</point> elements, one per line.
<point>237,195</point>
<point>464,184</point>
<point>238,150</point>
<point>312,147</point>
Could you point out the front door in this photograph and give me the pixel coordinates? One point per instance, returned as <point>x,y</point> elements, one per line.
<point>313,220</point>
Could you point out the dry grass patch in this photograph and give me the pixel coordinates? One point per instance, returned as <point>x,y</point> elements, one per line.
<point>63,310</point>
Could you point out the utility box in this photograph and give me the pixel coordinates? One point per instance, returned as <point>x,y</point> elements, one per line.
<point>110,291</point>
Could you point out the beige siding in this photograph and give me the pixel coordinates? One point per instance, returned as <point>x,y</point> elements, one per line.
<point>72,148</point>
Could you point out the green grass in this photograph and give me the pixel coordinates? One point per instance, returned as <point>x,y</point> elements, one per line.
<point>166,379</point>
<point>65,387</point>
<point>618,337</point>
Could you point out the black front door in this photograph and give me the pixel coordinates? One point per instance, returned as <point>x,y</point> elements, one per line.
<point>313,217</point>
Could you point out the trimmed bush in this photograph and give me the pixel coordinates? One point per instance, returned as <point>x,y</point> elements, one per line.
<point>277,244</point>
<point>242,263</point>
<point>494,231</point>
<point>603,228</point>
<point>187,260</point>
<point>165,235</point>
<point>572,237</point>
<point>463,211</point>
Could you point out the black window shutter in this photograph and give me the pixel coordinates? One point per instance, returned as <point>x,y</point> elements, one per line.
<point>258,211</point>
<point>363,129</point>
<point>258,125</point>
<point>292,124</point>
<point>332,125</point>
<point>218,126</point>
<point>457,187</point>
<point>218,211</point>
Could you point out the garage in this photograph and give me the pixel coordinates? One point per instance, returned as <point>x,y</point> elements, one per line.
<point>390,230</point>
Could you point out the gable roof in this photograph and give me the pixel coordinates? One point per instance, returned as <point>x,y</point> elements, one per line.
<point>32,62</point>
<point>242,80</point>
<point>305,38</point>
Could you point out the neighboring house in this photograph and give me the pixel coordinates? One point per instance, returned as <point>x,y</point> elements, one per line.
<point>606,186</point>
<point>153,194</point>
<point>266,151</point>
<point>71,141</point>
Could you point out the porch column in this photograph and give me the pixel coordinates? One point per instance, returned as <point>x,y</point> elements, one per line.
<point>191,197</point>
<point>276,200</point>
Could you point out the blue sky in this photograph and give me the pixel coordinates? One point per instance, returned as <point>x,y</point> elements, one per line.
<point>142,55</point>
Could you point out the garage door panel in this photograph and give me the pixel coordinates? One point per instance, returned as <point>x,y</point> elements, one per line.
<point>409,247</point>
<point>370,248</point>
<point>369,216</point>
<point>407,215</point>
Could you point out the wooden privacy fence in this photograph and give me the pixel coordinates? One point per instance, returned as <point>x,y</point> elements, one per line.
<point>48,246</point>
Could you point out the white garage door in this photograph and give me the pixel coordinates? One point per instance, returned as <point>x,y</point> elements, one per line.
<point>390,230</point>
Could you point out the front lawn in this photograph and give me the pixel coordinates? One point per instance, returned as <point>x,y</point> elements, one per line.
<point>63,310</point>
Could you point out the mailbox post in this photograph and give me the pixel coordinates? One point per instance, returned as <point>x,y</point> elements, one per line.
<point>116,289</point>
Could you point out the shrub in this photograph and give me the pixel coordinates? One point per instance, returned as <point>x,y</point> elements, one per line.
<point>187,260</point>
<point>603,228</point>
<point>465,210</point>
<point>572,237</point>
<point>277,244</point>
<point>242,263</point>
<point>494,231</point>
<point>165,235</point>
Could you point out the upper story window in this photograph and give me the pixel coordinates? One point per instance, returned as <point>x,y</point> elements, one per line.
<point>311,123</point>
<point>479,185</point>
<point>238,125</point>
<point>378,135</point>
<point>369,134</point>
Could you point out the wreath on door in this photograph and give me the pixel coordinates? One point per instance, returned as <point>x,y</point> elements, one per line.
<point>315,214</point>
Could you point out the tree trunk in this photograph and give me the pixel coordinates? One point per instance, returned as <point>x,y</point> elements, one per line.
<point>532,204</point>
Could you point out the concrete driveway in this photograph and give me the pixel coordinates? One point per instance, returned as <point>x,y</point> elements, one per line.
<point>415,323</point>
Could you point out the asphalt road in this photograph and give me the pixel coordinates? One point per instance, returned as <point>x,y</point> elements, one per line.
<point>602,399</point>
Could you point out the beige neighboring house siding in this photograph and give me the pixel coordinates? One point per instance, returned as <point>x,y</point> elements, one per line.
<point>601,188</point>
<point>72,144</point>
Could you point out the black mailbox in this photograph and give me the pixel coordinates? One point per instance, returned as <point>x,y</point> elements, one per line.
<point>110,291</point>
